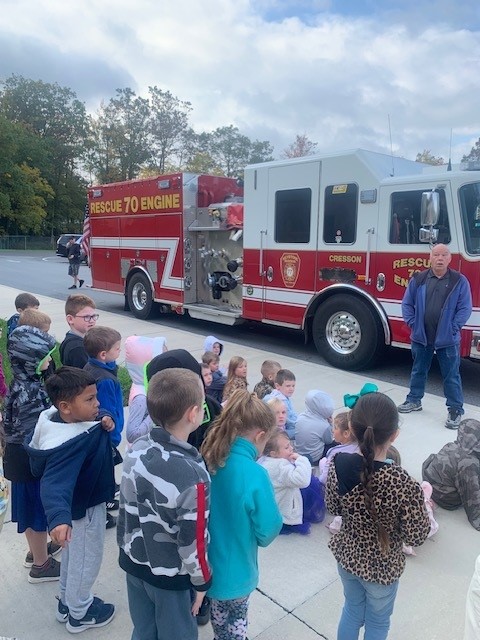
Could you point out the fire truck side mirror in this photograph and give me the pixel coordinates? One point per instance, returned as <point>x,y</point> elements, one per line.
<point>430,210</point>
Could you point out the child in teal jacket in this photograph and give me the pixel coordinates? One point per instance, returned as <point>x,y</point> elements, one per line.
<point>243,511</point>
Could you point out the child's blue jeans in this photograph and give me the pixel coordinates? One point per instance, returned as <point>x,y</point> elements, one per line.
<point>367,604</point>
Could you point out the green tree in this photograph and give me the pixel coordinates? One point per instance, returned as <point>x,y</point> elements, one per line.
<point>301,147</point>
<point>428,158</point>
<point>168,127</point>
<point>232,151</point>
<point>24,193</point>
<point>119,141</point>
<point>55,115</point>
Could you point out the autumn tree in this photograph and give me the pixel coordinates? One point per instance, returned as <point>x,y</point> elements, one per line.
<point>428,158</point>
<point>301,147</point>
<point>474,153</point>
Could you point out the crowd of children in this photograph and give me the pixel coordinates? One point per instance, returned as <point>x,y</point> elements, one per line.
<point>210,473</point>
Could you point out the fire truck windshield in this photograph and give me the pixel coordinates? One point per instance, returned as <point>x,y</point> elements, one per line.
<point>470,211</point>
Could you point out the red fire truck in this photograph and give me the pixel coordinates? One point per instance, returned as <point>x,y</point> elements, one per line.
<point>324,244</point>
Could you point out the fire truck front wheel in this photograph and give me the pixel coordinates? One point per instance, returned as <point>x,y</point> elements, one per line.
<point>139,296</point>
<point>348,333</point>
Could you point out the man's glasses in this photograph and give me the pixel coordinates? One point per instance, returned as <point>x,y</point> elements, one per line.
<point>89,318</point>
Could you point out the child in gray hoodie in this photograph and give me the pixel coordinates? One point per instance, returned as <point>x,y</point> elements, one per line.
<point>313,428</point>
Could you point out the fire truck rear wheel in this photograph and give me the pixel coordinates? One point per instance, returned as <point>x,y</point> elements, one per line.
<point>347,333</point>
<point>139,296</point>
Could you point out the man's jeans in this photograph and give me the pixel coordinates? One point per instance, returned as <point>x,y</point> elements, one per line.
<point>366,603</point>
<point>449,361</point>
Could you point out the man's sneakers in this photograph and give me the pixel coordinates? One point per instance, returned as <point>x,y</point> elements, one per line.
<point>454,419</point>
<point>99,614</point>
<point>48,572</point>
<point>112,505</point>
<point>408,407</point>
<point>80,282</point>
<point>53,550</point>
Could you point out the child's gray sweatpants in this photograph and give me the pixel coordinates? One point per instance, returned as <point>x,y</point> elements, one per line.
<point>81,561</point>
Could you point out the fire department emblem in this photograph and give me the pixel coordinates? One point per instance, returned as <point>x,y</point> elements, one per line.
<point>290,264</point>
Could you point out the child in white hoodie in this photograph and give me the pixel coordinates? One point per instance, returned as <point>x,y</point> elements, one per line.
<point>289,472</point>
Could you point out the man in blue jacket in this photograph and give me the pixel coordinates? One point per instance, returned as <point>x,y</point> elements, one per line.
<point>436,305</point>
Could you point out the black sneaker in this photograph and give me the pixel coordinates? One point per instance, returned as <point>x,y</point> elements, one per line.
<point>112,505</point>
<point>48,572</point>
<point>454,419</point>
<point>117,490</point>
<point>53,550</point>
<point>80,282</point>
<point>74,286</point>
<point>62,611</point>
<point>111,522</point>
<point>203,615</point>
<point>99,614</point>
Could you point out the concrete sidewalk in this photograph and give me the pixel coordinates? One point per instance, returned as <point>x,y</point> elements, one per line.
<point>299,595</point>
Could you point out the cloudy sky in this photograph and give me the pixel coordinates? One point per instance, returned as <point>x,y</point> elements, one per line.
<point>335,70</point>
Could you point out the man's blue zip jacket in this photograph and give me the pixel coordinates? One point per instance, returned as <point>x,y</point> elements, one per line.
<point>455,312</point>
<point>74,461</point>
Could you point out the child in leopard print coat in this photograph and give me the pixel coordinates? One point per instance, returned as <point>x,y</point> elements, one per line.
<point>382,508</point>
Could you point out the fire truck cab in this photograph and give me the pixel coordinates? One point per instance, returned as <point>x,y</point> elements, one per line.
<point>324,244</point>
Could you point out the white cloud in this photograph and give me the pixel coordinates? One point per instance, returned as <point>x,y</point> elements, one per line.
<point>335,78</point>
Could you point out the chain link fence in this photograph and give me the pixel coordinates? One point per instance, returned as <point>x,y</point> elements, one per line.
<point>24,243</point>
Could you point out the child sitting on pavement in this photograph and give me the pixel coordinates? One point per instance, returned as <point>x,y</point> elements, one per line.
<point>236,377</point>
<point>269,370</point>
<point>454,472</point>
<point>217,384</point>
<point>279,409</point>
<point>289,472</point>
<point>313,428</point>
<point>80,313</point>
<point>216,346</point>
<point>22,301</point>
<point>139,351</point>
<point>284,389</point>
<point>345,443</point>
<point>70,450</point>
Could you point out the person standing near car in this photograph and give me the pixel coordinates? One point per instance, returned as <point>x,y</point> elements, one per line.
<point>436,305</point>
<point>74,260</point>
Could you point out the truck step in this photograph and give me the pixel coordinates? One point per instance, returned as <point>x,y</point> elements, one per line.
<point>211,313</point>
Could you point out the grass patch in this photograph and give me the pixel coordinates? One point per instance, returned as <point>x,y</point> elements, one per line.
<point>123,375</point>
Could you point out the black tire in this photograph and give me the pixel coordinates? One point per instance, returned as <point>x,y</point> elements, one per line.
<point>347,333</point>
<point>139,296</point>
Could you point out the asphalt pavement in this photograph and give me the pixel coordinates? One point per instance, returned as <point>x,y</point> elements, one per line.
<point>46,274</point>
<point>299,596</point>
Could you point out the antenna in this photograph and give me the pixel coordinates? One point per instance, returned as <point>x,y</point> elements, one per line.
<point>391,146</point>
<point>449,167</point>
